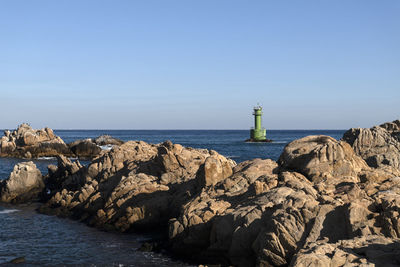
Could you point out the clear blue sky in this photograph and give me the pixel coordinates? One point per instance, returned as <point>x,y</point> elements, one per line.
<point>199,64</point>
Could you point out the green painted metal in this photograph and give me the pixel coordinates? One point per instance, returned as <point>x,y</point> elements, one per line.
<point>258,133</point>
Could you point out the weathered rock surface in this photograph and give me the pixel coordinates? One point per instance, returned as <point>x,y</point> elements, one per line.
<point>379,146</point>
<point>393,128</point>
<point>26,142</point>
<point>25,183</point>
<point>321,157</point>
<point>135,185</point>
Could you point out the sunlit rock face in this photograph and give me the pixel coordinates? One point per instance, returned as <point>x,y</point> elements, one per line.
<point>26,142</point>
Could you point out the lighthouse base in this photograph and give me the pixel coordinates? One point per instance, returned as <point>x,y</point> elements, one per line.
<point>258,135</point>
<point>251,140</point>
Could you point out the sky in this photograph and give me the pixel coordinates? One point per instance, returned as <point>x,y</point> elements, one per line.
<point>168,64</point>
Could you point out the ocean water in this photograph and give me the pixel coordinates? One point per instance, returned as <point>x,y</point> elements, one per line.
<point>49,240</point>
<point>229,143</point>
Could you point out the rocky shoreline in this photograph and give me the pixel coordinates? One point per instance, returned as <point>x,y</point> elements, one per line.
<point>325,202</point>
<point>27,143</point>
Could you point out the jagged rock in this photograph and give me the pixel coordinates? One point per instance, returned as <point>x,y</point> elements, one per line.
<point>321,158</point>
<point>135,185</point>
<point>393,128</point>
<point>25,183</point>
<point>66,175</point>
<point>378,146</point>
<point>387,208</point>
<point>26,142</point>
<point>198,231</point>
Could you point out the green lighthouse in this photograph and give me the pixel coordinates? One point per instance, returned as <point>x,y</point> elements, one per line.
<point>258,133</point>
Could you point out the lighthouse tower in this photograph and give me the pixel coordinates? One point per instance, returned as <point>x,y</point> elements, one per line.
<point>258,134</point>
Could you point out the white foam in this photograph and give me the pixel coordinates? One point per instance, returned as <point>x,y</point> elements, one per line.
<point>8,211</point>
<point>46,158</point>
<point>106,147</point>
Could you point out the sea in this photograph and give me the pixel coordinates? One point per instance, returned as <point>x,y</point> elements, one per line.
<point>52,241</point>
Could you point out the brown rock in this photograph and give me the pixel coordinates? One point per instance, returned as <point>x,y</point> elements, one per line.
<point>321,157</point>
<point>134,185</point>
<point>26,142</point>
<point>25,183</point>
<point>216,169</point>
<point>378,146</point>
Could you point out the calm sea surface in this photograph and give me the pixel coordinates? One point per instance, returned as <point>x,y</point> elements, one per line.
<point>48,240</point>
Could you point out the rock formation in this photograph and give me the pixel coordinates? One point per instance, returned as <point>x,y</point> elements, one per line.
<point>24,184</point>
<point>321,157</point>
<point>379,146</point>
<point>324,203</point>
<point>321,190</point>
<point>26,142</point>
<point>136,185</point>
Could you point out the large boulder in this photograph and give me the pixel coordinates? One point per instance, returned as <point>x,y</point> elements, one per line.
<point>25,183</point>
<point>26,142</point>
<point>379,146</point>
<point>320,157</point>
<point>216,169</point>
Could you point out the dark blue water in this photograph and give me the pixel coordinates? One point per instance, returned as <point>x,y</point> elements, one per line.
<point>48,240</point>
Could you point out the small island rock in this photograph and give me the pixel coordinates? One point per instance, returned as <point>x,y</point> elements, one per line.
<point>26,142</point>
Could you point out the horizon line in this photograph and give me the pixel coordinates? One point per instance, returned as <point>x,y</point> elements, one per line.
<point>311,129</point>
